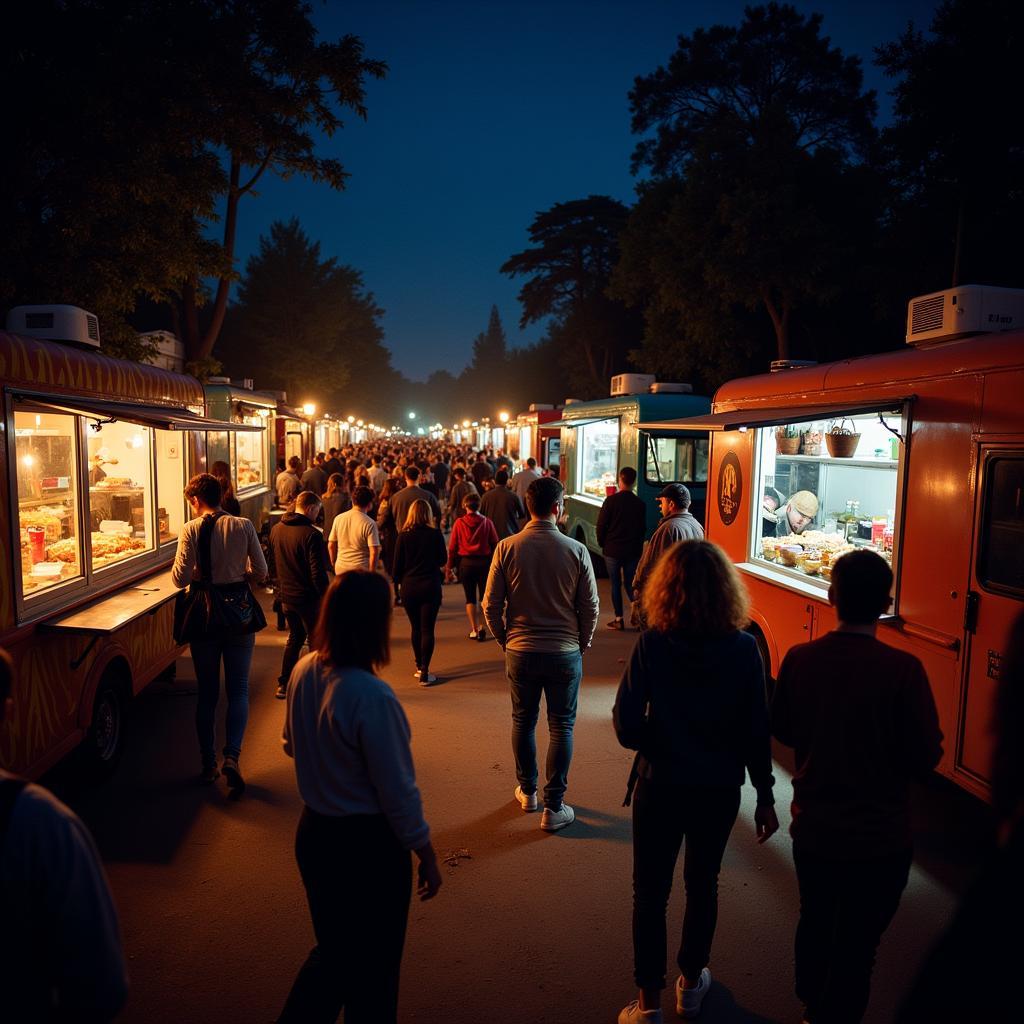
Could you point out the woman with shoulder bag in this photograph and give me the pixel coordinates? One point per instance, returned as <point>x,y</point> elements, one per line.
<point>219,616</point>
<point>692,704</point>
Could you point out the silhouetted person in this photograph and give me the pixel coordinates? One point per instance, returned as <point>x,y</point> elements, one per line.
<point>862,720</point>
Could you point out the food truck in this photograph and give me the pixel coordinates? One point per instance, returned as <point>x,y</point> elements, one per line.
<point>247,452</point>
<point>918,454</point>
<point>293,433</point>
<point>598,438</point>
<point>536,438</point>
<point>94,456</point>
<point>328,433</point>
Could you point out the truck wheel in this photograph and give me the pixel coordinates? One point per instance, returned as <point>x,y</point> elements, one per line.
<point>104,742</point>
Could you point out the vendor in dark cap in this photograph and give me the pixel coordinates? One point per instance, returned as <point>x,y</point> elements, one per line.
<point>676,524</point>
<point>794,516</point>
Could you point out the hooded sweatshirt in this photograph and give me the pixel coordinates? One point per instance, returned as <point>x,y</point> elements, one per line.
<point>300,559</point>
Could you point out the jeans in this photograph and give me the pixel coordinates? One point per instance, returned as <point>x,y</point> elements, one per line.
<point>422,601</point>
<point>624,569</point>
<point>206,658</point>
<point>662,815</point>
<point>557,677</point>
<point>358,881</point>
<point>301,619</point>
<point>845,906</point>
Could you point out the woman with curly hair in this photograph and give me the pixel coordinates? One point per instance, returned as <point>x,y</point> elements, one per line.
<point>692,704</point>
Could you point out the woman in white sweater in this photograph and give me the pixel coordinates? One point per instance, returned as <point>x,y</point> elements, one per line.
<point>363,815</point>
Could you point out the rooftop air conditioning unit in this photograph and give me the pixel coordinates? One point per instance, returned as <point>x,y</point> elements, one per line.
<point>539,407</point>
<point>670,388</point>
<point>631,383</point>
<point>56,323</point>
<point>968,309</point>
<point>778,365</point>
<point>218,380</point>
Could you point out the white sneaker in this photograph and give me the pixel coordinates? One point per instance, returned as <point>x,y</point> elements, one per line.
<point>527,800</point>
<point>552,821</point>
<point>632,1014</point>
<point>426,678</point>
<point>689,1000</point>
<point>472,635</point>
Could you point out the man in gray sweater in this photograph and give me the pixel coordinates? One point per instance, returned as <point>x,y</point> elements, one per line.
<point>541,607</point>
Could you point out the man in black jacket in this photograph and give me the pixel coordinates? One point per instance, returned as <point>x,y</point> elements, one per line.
<point>300,557</point>
<point>621,525</point>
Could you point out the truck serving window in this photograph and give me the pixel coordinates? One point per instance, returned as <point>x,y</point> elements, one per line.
<point>824,488</point>
<point>46,446</point>
<point>1001,559</point>
<point>250,454</point>
<point>598,446</point>
<point>681,460</point>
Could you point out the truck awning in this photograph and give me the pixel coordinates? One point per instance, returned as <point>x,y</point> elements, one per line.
<point>742,419</point>
<point>575,423</point>
<point>161,417</point>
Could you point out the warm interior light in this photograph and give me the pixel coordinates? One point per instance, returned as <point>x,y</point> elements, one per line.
<point>308,408</point>
<point>28,460</point>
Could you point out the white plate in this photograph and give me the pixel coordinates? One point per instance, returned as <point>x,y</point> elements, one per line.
<point>116,526</point>
<point>47,568</point>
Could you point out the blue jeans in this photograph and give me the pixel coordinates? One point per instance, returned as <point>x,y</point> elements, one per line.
<point>557,677</point>
<point>206,658</point>
<point>626,568</point>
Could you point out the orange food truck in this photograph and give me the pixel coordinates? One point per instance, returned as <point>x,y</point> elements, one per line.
<point>537,440</point>
<point>917,453</point>
<point>94,456</point>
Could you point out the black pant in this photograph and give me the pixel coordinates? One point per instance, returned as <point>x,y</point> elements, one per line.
<point>301,619</point>
<point>845,906</point>
<point>358,881</point>
<point>421,599</point>
<point>662,815</point>
<point>473,570</point>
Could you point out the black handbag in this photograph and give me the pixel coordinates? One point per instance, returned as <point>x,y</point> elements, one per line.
<point>209,609</point>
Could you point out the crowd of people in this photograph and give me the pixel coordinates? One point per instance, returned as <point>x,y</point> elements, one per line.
<point>362,531</point>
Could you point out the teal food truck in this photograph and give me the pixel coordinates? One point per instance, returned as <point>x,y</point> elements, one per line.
<point>601,437</point>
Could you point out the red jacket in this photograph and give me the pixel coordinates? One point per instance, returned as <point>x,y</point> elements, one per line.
<point>473,535</point>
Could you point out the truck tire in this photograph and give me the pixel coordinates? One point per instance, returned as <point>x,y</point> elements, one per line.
<point>104,741</point>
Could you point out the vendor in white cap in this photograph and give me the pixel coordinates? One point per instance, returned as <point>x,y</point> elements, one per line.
<point>794,516</point>
<point>96,463</point>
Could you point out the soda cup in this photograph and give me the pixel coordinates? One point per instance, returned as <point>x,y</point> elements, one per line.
<point>36,543</point>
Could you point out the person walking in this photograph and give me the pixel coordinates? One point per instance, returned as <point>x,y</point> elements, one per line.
<point>60,950</point>
<point>541,606</point>
<point>354,542</point>
<point>377,474</point>
<point>503,507</point>
<point>461,486</point>
<point>218,550</point>
<point>300,557</point>
<point>362,812</point>
<point>315,478</point>
<point>521,481</point>
<point>676,524</point>
<point>387,526</point>
<point>692,704</point>
<point>470,548</point>
<point>336,500</point>
<point>402,501</point>
<point>481,470</point>
<point>288,485</point>
<point>862,721</point>
<point>420,558</point>
<point>621,525</point>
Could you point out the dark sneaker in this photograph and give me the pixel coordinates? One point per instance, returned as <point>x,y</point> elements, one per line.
<point>616,624</point>
<point>281,693</point>
<point>481,635</point>
<point>690,1000</point>
<point>209,774</point>
<point>232,775</point>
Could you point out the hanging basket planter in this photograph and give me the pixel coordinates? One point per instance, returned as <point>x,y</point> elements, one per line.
<point>842,441</point>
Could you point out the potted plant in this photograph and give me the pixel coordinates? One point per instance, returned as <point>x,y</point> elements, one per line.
<point>810,441</point>
<point>787,439</point>
<point>842,440</point>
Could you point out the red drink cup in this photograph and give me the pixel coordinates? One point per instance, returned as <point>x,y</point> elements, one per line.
<point>609,490</point>
<point>36,543</point>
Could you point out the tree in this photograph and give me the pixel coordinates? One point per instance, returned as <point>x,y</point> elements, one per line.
<point>758,128</point>
<point>135,122</point>
<point>574,248</point>
<point>959,207</point>
<point>306,325</point>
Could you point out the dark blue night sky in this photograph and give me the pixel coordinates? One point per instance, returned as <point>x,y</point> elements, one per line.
<point>491,112</point>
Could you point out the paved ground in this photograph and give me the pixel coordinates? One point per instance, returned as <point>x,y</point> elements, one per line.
<point>528,927</point>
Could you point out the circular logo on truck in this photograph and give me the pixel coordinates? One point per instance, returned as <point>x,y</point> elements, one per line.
<point>730,488</point>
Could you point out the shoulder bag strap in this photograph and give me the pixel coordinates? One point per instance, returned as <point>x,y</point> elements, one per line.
<point>205,544</point>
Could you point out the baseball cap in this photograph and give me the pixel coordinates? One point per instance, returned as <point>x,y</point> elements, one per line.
<point>677,493</point>
<point>805,502</point>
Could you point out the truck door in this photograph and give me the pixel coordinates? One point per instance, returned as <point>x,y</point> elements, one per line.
<point>995,597</point>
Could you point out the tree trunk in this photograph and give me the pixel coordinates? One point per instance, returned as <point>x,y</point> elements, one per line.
<point>779,312</point>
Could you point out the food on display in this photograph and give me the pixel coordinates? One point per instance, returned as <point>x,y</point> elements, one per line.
<point>50,519</point>
<point>788,553</point>
<point>599,485</point>
<point>106,547</point>
<point>248,475</point>
<point>115,481</point>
